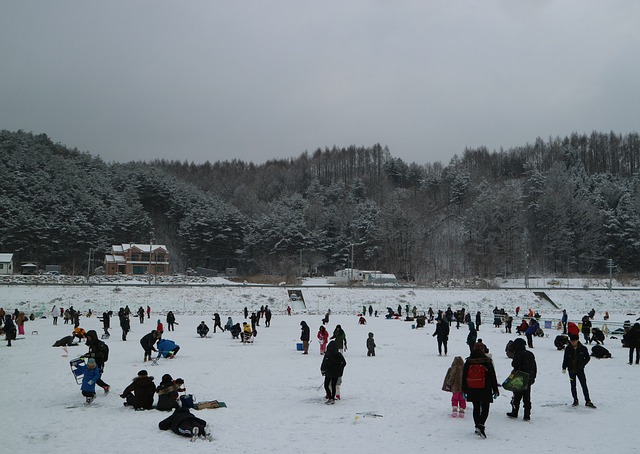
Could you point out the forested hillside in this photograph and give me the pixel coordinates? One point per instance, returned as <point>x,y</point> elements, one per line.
<point>562,206</point>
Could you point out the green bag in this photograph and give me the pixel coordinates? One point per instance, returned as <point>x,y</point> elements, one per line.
<point>517,381</point>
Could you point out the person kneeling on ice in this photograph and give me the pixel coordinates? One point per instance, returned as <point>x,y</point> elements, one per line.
<point>139,394</point>
<point>332,367</point>
<point>167,348</point>
<point>90,375</point>
<point>453,384</point>
<point>182,422</point>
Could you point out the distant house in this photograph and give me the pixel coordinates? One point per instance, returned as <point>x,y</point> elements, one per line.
<point>364,276</point>
<point>137,259</point>
<point>6,263</point>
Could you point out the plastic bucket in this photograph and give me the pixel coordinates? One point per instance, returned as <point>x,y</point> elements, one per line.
<point>299,346</point>
<point>547,324</point>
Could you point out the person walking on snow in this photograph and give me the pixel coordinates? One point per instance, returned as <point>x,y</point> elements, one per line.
<point>481,391</point>
<point>332,368</point>
<point>453,384</point>
<point>524,361</point>
<point>371,345</point>
<point>442,333</point>
<point>340,338</point>
<point>472,336</point>
<point>576,357</point>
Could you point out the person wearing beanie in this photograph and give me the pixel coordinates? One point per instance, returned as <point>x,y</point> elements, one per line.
<point>524,361</point>
<point>90,376</point>
<point>472,336</point>
<point>99,351</point>
<point>139,394</point>
<point>576,357</point>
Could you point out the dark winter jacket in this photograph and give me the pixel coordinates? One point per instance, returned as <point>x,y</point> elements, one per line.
<point>442,330</point>
<point>9,328</point>
<point>181,418</point>
<point>167,395</point>
<point>575,359</point>
<point>171,318</point>
<point>143,389</point>
<point>586,325</point>
<point>98,350</point>
<point>478,395</point>
<point>632,337</point>
<point>524,360</point>
<point>340,338</point>
<point>202,329</point>
<point>305,335</point>
<point>66,341</point>
<point>148,341</point>
<point>333,362</point>
<point>473,334</point>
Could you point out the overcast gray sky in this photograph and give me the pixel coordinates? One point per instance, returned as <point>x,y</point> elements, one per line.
<point>256,80</point>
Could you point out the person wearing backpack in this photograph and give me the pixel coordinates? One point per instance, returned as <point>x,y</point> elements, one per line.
<point>524,361</point>
<point>99,351</point>
<point>479,386</point>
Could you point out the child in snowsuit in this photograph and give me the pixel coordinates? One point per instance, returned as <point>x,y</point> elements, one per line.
<point>91,374</point>
<point>453,384</point>
<point>323,339</point>
<point>9,329</point>
<point>371,345</point>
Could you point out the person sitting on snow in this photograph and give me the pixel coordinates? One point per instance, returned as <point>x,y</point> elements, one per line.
<point>139,394</point>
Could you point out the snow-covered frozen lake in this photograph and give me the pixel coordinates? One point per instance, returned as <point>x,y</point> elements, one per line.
<point>274,394</point>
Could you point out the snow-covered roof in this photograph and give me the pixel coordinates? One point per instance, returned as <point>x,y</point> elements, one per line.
<point>108,258</point>
<point>6,257</point>
<point>142,247</point>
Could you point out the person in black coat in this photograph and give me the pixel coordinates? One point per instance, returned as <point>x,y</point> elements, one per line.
<point>99,351</point>
<point>480,397</point>
<point>304,337</point>
<point>442,333</point>
<point>525,361</point>
<point>332,367</point>
<point>171,320</point>
<point>168,393</point>
<point>632,339</point>
<point>182,422</point>
<point>216,322</point>
<point>148,343</point>
<point>202,329</point>
<point>576,357</point>
<point>139,394</point>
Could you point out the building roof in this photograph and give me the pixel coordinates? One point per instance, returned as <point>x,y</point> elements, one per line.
<point>108,258</point>
<point>6,257</point>
<point>142,247</point>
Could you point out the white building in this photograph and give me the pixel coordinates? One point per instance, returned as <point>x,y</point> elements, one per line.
<point>6,263</point>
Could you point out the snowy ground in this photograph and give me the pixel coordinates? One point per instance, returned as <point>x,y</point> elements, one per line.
<point>274,396</point>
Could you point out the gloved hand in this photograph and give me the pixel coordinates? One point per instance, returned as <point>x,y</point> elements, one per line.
<point>564,371</point>
<point>123,396</point>
<point>90,382</point>
<point>322,373</point>
<point>532,381</point>
<point>465,396</point>
<point>495,395</point>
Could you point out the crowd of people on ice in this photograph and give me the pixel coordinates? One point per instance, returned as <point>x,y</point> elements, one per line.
<point>468,380</point>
